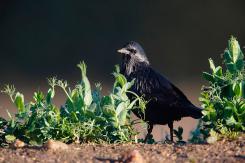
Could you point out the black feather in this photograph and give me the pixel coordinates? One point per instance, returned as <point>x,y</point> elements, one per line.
<point>166,102</point>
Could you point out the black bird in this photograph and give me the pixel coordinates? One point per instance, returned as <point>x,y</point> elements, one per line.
<point>166,102</point>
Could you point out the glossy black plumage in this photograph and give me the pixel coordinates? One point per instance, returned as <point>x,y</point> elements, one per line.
<point>166,102</point>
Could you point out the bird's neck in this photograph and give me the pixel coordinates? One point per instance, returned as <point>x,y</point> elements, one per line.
<point>130,67</point>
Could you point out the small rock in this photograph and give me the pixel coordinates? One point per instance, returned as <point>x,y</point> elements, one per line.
<point>55,145</point>
<point>18,144</point>
<point>1,159</point>
<point>132,157</point>
<point>212,139</point>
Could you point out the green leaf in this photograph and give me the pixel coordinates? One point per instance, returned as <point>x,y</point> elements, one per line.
<point>128,85</point>
<point>121,107</point>
<point>46,122</point>
<point>212,66</point>
<point>132,104</point>
<point>10,138</point>
<point>227,56</point>
<point>78,100</point>
<point>231,67</point>
<point>241,117</point>
<point>234,49</point>
<point>241,109</point>
<point>117,69</point>
<point>110,113</point>
<point>106,100</point>
<point>227,91</point>
<point>228,112</point>
<point>34,143</point>
<point>86,84</point>
<point>109,110</point>
<point>50,95</point>
<point>218,71</point>
<point>208,77</point>
<point>231,121</point>
<point>240,65</point>
<point>237,89</point>
<point>122,117</point>
<point>38,97</point>
<point>120,79</point>
<point>19,102</point>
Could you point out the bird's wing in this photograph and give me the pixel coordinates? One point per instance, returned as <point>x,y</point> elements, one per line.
<point>155,86</point>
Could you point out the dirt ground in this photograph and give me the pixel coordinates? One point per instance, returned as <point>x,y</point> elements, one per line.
<point>222,151</point>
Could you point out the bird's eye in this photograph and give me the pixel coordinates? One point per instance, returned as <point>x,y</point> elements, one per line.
<point>132,50</point>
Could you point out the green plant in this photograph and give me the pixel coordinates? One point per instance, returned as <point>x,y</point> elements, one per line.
<point>86,116</point>
<point>178,133</point>
<point>223,99</point>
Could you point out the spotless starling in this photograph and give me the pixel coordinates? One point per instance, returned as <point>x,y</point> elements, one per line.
<point>166,103</point>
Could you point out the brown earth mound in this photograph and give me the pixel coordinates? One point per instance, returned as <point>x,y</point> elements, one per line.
<point>222,151</point>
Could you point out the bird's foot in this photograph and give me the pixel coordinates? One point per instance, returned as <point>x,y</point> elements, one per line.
<point>168,141</point>
<point>149,139</point>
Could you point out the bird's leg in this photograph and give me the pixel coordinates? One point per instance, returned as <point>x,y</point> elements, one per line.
<point>171,126</point>
<point>149,130</point>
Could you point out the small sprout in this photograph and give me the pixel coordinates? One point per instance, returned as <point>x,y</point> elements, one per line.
<point>98,86</point>
<point>178,133</point>
<point>62,84</point>
<point>82,67</point>
<point>52,81</point>
<point>38,97</point>
<point>9,90</point>
<point>19,102</point>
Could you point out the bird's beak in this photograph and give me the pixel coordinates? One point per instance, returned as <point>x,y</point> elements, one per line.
<point>123,51</point>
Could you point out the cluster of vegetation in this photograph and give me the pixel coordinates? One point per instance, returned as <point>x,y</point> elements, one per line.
<point>86,116</point>
<point>223,99</point>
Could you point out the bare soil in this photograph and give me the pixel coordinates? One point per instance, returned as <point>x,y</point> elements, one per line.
<point>222,151</point>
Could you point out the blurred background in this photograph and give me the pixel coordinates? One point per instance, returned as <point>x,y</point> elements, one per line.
<point>40,39</point>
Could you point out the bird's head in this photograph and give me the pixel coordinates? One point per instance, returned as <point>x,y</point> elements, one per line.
<point>132,52</point>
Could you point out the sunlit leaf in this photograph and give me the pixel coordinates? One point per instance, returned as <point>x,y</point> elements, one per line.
<point>19,102</point>
<point>10,138</point>
<point>50,95</point>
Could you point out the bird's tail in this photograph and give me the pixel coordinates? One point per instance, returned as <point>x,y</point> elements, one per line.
<point>194,112</point>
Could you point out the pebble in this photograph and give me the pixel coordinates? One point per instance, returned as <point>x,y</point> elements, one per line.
<point>132,157</point>
<point>55,145</point>
<point>18,144</point>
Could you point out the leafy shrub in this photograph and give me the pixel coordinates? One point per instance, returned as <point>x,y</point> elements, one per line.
<point>178,133</point>
<point>223,99</point>
<point>86,116</point>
